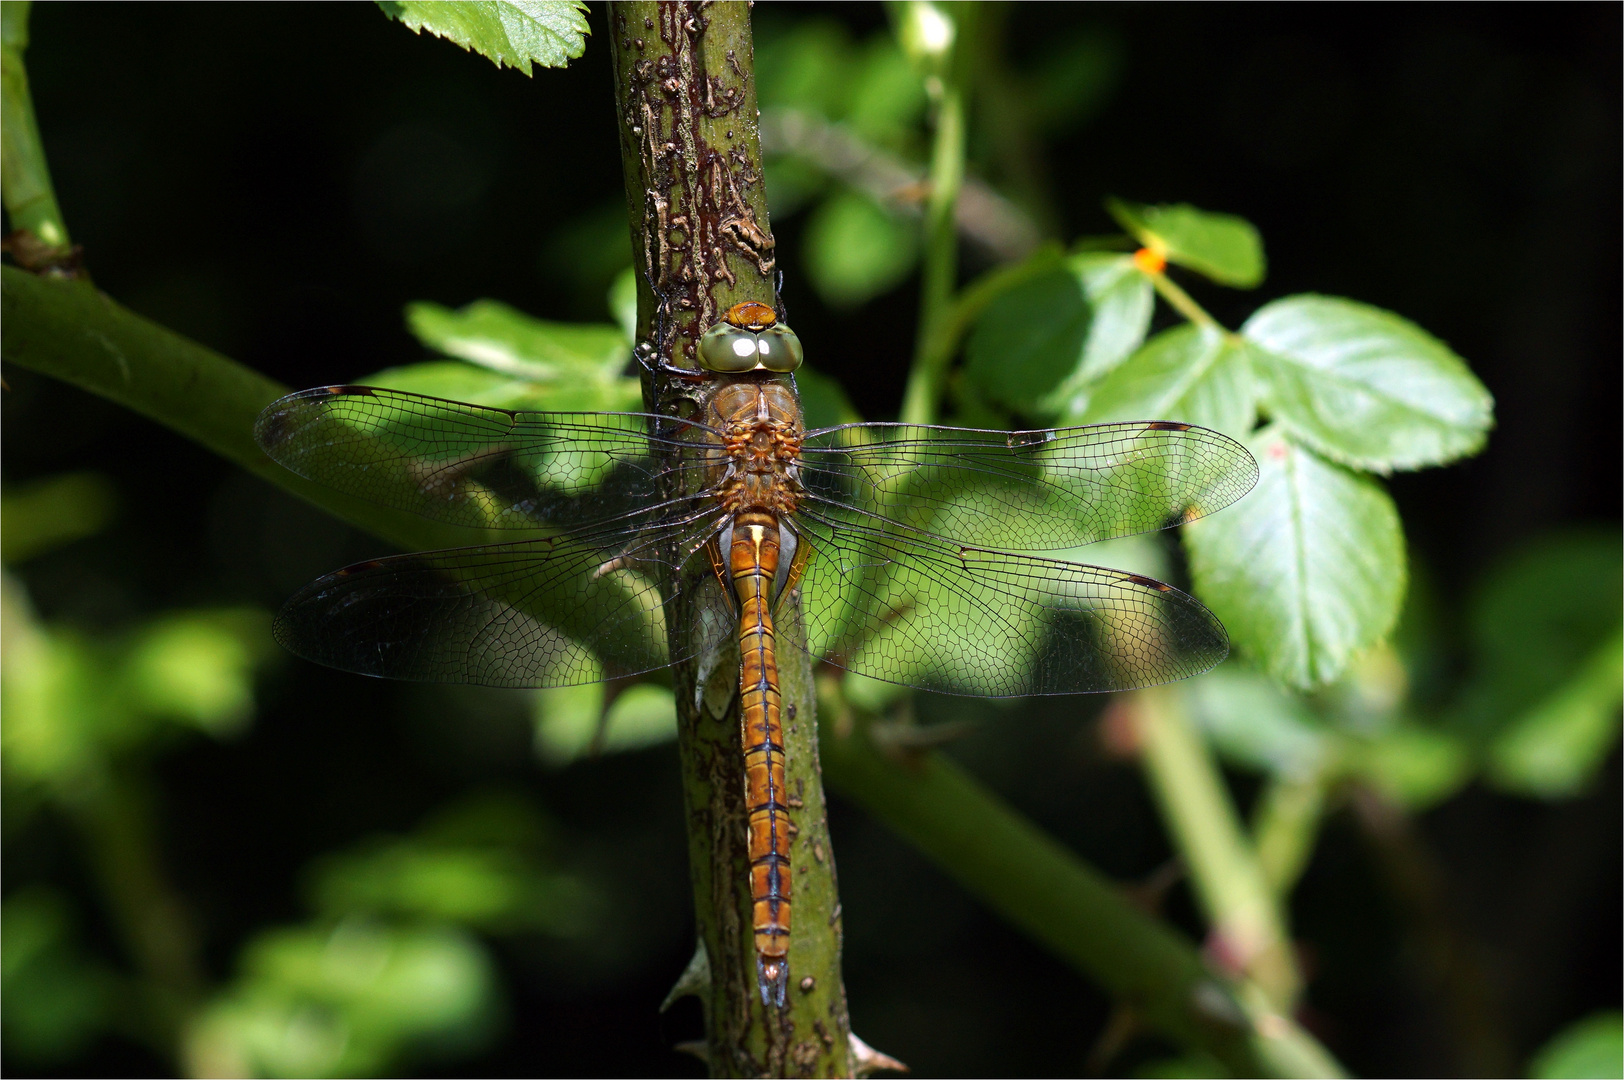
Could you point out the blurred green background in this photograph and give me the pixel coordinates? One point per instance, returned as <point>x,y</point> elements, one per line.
<point>311,873</point>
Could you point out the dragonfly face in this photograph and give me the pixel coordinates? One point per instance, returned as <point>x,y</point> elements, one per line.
<point>908,546</point>
<point>749,338</point>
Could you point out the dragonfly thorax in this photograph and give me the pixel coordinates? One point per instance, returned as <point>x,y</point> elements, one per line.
<point>761,447</point>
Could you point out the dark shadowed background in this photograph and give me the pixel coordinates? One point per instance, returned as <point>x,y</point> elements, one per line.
<point>277,181</point>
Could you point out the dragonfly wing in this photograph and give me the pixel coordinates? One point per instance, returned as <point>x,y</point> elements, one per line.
<point>472,465</point>
<point>1025,490</point>
<point>549,612</point>
<point>911,609</point>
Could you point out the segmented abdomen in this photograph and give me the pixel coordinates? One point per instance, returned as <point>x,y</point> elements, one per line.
<point>753,565</point>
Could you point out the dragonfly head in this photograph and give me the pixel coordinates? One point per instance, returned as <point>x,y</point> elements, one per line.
<point>749,338</point>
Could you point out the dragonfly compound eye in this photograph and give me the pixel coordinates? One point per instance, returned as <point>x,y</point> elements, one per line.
<point>728,349</point>
<point>780,349</point>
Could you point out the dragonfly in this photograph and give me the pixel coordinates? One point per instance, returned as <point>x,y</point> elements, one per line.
<point>627,542</point>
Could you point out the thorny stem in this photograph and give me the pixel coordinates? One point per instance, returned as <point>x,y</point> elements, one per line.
<point>691,148</point>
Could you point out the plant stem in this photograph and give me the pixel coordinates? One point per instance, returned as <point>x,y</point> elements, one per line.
<point>691,148</point>
<point>1070,908</point>
<point>1185,304</point>
<point>114,815</point>
<point>1284,827</point>
<point>939,274</point>
<point>26,181</point>
<point>1248,933</point>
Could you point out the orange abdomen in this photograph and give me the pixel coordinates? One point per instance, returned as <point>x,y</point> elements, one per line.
<point>752,565</point>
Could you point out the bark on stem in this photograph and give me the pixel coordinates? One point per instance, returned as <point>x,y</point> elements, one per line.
<point>686,103</point>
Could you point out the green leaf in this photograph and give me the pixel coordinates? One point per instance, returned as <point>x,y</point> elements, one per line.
<point>1365,387</point>
<point>1534,620</point>
<point>1038,346</point>
<point>571,723</point>
<point>45,514</point>
<point>888,97</point>
<point>1252,722</point>
<point>1414,766</point>
<point>856,249</point>
<point>522,362</point>
<point>351,1000</point>
<point>1307,570</point>
<point>1189,373</point>
<point>623,302</point>
<point>1593,1047</point>
<point>57,999</point>
<point>484,862</point>
<point>1222,247</point>
<point>1120,301</point>
<point>495,336</point>
<point>512,32</point>
<point>1555,749</point>
<point>808,67</point>
<point>14,24</point>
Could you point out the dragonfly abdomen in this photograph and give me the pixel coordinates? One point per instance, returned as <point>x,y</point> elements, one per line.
<point>753,567</point>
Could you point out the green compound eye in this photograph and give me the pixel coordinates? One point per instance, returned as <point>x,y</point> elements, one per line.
<point>728,349</point>
<point>780,349</point>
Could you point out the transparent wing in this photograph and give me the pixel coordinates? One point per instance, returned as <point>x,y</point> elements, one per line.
<point>911,609</point>
<point>548,612</point>
<point>472,465</point>
<point>1024,490</point>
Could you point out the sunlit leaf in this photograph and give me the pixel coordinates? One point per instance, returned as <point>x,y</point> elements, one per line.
<point>1189,373</point>
<point>1223,247</point>
<point>1592,1047</point>
<point>1306,570</point>
<point>198,668</point>
<point>353,1000</point>
<point>517,33</point>
<point>571,723</point>
<point>1039,346</point>
<point>486,887</point>
<point>1120,300</point>
<point>519,362</point>
<point>1365,387</point>
<point>495,336</point>
<point>856,249</point>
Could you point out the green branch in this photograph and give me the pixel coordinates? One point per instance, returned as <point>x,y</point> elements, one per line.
<point>1248,933</point>
<point>24,178</point>
<point>936,41</point>
<point>1070,908</point>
